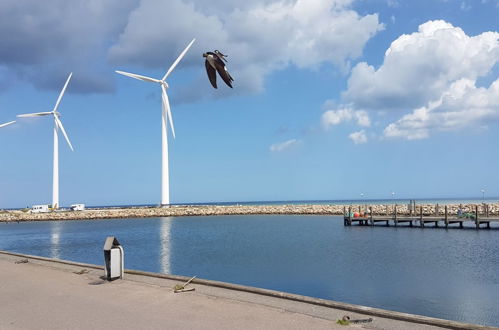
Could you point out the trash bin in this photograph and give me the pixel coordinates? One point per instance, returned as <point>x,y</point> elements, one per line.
<point>113,257</point>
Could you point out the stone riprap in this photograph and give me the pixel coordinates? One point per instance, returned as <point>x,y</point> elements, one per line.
<point>207,210</point>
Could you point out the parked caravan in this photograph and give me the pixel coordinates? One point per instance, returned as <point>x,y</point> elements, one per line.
<point>40,208</point>
<point>77,207</point>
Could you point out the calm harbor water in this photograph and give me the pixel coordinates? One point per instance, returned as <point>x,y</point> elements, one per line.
<point>451,274</point>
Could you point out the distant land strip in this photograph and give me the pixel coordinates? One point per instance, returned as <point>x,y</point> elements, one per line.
<point>208,210</point>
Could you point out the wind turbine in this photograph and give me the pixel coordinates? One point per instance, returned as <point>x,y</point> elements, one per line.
<point>7,124</point>
<point>57,126</point>
<point>165,185</point>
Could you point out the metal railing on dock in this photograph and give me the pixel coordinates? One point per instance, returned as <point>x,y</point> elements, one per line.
<point>412,218</point>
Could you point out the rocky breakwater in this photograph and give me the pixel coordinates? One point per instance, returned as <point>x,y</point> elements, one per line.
<point>207,210</point>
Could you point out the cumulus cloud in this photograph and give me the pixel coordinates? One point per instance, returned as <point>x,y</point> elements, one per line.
<point>462,105</point>
<point>419,67</point>
<point>358,137</point>
<point>42,41</point>
<point>430,76</point>
<point>259,37</point>
<point>286,145</point>
<point>336,117</point>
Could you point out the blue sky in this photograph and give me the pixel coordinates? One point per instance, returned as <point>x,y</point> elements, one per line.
<point>331,99</point>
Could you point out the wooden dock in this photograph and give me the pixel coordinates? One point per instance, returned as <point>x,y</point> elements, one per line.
<point>419,220</point>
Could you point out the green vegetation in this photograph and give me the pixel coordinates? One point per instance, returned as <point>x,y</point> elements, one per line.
<point>343,322</point>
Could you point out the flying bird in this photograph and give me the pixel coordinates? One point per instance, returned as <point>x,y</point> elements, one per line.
<point>215,63</point>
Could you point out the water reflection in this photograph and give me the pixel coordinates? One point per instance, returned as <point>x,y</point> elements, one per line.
<point>450,274</point>
<point>164,245</point>
<point>55,236</point>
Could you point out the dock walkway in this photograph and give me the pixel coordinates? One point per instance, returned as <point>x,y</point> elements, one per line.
<point>369,219</point>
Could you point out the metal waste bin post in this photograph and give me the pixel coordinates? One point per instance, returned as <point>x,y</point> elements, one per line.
<point>114,259</point>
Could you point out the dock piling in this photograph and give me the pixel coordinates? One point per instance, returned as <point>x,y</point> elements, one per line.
<point>446,218</point>
<point>371,215</point>
<point>395,215</point>
<point>421,222</point>
<point>477,221</point>
<point>350,216</point>
<point>426,215</point>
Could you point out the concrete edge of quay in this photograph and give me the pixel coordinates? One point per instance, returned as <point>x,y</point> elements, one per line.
<point>387,314</point>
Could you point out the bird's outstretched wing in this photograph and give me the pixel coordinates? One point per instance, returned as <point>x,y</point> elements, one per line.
<point>220,55</point>
<point>212,74</point>
<point>222,71</point>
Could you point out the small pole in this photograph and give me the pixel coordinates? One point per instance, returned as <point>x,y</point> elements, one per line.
<point>350,216</point>
<point>477,222</point>
<point>371,215</point>
<point>446,219</point>
<point>395,215</point>
<point>421,222</point>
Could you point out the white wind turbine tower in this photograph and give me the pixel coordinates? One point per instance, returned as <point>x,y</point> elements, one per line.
<point>7,124</point>
<point>165,185</point>
<point>57,126</point>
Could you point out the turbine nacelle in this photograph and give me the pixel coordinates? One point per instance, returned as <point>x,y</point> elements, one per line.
<point>55,113</point>
<point>164,85</point>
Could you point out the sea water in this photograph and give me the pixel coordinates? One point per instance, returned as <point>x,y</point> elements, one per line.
<point>451,274</point>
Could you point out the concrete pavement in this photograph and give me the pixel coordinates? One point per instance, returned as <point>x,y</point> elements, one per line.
<point>43,294</point>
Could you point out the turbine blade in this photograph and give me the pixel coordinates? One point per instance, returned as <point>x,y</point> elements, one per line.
<point>138,76</point>
<point>178,60</point>
<point>62,92</point>
<point>7,124</point>
<point>166,107</point>
<point>36,114</point>
<point>59,124</point>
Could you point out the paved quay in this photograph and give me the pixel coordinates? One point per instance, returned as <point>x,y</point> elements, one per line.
<point>41,293</point>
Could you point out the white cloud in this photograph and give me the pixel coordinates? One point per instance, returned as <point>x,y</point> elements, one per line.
<point>430,75</point>
<point>493,1</point>
<point>358,137</point>
<point>419,67</point>
<point>464,6</point>
<point>259,38</point>
<point>393,3</point>
<point>335,117</point>
<point>42,41</point>
<point>278,147</point>
<point>462,106</point>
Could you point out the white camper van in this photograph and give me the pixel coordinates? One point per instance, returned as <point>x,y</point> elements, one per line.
<point>77,207</point>
<point>40,208</point>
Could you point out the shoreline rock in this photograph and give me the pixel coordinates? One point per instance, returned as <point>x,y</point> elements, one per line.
<point>209,210</point>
